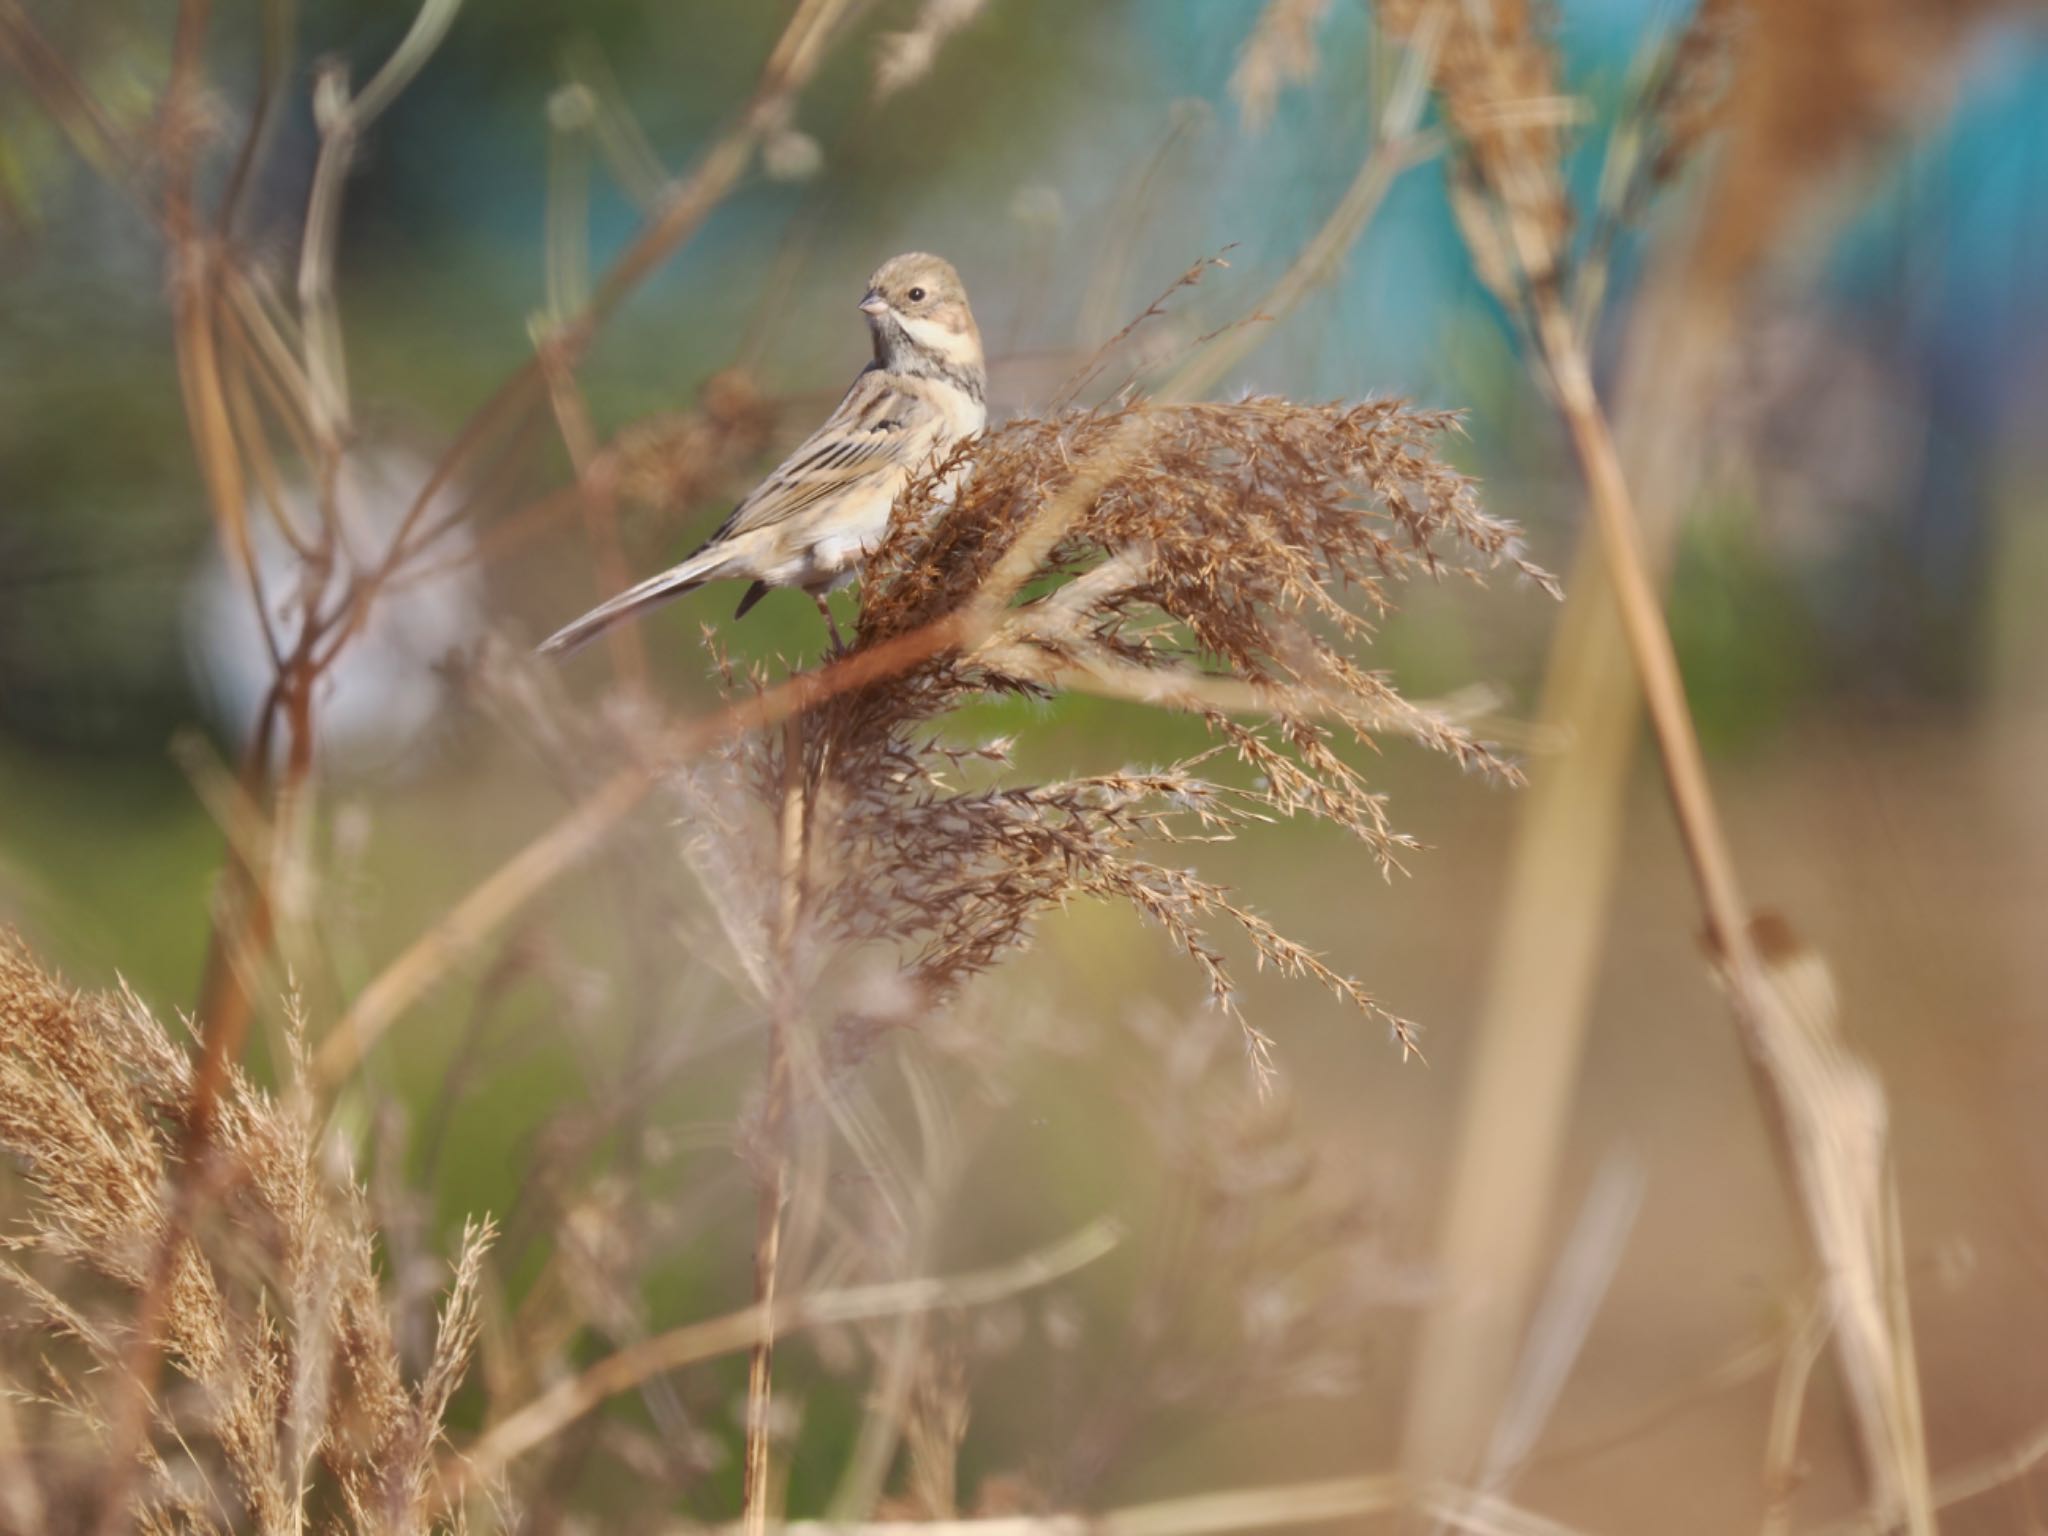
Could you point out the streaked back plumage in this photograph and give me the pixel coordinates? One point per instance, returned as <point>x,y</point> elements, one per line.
<point>809,522</point>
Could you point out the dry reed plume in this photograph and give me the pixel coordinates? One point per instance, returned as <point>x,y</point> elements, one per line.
<point>1224,559</point>
<point>1279,52</point>
<point>289,1403</point>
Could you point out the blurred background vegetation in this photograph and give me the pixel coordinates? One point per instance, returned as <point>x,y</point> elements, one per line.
<point>1854,599</point>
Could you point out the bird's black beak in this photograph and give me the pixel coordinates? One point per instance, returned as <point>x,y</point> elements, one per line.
<point>873,303</point>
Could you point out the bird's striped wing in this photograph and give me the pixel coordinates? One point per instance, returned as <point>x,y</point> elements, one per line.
<point>878,430</point>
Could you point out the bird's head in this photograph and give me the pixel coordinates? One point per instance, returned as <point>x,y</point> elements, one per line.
<point>917,308</point>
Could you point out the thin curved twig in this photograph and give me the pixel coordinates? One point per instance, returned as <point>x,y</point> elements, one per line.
<point>520,1431</point>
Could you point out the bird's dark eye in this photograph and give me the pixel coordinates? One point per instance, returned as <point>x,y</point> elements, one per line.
<point>916,295</point>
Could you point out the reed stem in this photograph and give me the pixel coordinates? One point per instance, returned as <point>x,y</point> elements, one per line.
<point>774,1178</point>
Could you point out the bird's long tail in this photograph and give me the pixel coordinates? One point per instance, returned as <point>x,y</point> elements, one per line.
<point>705,565</point>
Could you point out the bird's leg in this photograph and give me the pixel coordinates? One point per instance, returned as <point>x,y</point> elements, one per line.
<point>831,624</point>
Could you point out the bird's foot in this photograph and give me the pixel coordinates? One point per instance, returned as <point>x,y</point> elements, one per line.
<point>838,643</point>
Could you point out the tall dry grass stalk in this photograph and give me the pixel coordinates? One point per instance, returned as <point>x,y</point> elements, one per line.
<point>1797,90</point>
<point>256,374</point>
<point>289,1402</point>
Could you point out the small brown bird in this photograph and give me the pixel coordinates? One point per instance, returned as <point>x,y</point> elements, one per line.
<point>810,522</point>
